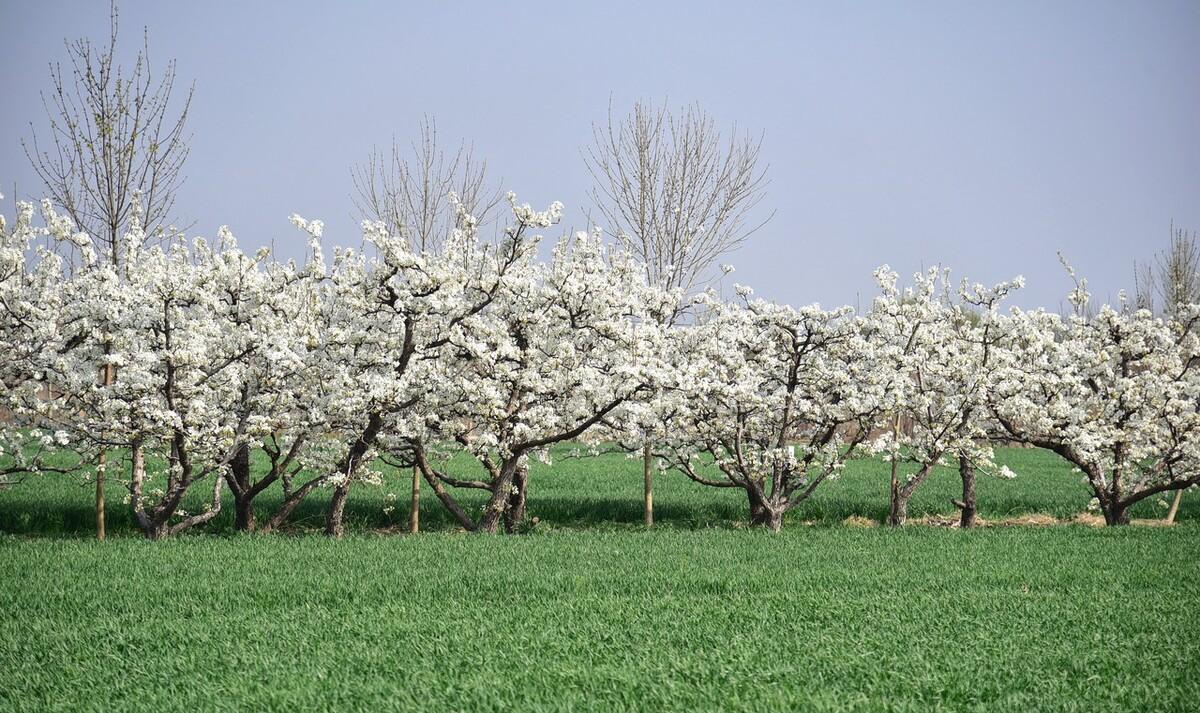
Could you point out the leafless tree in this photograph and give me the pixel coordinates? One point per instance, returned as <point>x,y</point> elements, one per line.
<point>1171,279</point>
<point>115,143</point>
<point>409,192</point>
<point>675,189</point>
<point>409,189</point>
<point>680,195</point>
<point>113,139</point>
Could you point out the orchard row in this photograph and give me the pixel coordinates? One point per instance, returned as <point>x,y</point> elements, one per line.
<point>163,362</point>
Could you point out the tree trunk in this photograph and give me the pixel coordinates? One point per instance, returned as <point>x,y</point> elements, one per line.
<point>334,525</point>
<point>901,494</point>
<point>349,465</point>
<point>899,510</point>
<point>106,378</point>
<point>137,476</point>
<point>767,517</point>
<point>154,523</point>
<point>966,471</point>
<point>450,503</point>
<point>243,514</point>
<point>158,531</point>
<point>414,509</point>
<point>1116,513</point>
<point>290,503</point>
<point>1170,519</point>
<point>895,518</point>
<point>101,465</point>
<point>243,497</point>
<point>762,513</point>
<point>515,513</point>
<point>497,505</point>
<point>648,480</point>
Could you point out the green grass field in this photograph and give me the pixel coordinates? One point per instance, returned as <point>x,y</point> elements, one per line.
<point>603,492</point>
<point>592,612</point>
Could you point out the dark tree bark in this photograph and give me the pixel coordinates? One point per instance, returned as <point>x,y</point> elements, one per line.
<point>901,494</point>
<point>898,514</point>
<point>449,502</point>
<point>764,513</point>
<point>895,516</point>
<point>155,522</point>
<point>243,491</point>
<point>101,466</point>
<point>497,505</point>
<point>349,465</point>
<point>334,524</point>
<point>966,471</point>
<point>1116,513</point>
<point>515,514</point>
<point>106,379</point>
<point>290,503</point>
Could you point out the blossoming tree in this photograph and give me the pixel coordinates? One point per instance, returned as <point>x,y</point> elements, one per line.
<point>31,341</point>
<point>942,358</point>
<point>775,398</point>
<point>1116,395</point>
<point>565,347</point>
<point>394,315</point>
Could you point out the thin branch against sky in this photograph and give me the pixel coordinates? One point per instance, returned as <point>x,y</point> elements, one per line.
<point>984,137</point>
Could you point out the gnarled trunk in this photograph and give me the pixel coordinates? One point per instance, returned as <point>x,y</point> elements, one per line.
<point>290,503</point>
<point>515,513</point>
<point>901,494</point>
<point>898,513</point>
<point>349,466</point>
<point>243,493</point>
<point>157,531</point>
<point>137,477</point>
<point>1116,513</point>
<point>334,525</point>
<point>497,505</point>
<point>763,513</point>
<point>243,515</point>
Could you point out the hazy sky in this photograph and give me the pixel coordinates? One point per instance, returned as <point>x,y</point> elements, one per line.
<point>983,136</point>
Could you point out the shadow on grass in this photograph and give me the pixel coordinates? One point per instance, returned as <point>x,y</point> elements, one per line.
<point>60,508</point>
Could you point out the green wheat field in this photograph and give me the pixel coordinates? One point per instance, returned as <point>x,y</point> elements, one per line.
<point>588,610</point>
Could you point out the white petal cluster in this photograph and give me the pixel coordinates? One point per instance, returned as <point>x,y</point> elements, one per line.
<point>180,355</point>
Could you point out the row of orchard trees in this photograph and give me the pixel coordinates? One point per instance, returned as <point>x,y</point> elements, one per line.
<point>184,356</point>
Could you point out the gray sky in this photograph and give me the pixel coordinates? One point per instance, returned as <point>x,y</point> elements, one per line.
<point>983,136</point>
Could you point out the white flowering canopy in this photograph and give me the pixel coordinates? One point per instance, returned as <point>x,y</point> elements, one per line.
<point>187,355</point>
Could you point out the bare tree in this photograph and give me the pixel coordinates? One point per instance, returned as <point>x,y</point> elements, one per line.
<point>116,149</point>
<point>1171,279</point>
<point>409,192</point>
<point>113,139</point>
<point>680,195</point>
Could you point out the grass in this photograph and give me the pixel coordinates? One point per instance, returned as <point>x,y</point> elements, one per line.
<point>602,493</point>
<point>592,612</point>
<point>813,619</point>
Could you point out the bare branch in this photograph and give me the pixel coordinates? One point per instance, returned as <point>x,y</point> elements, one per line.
<point>112,140</point>
<point>675,191</point>
<point>409,191</point>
